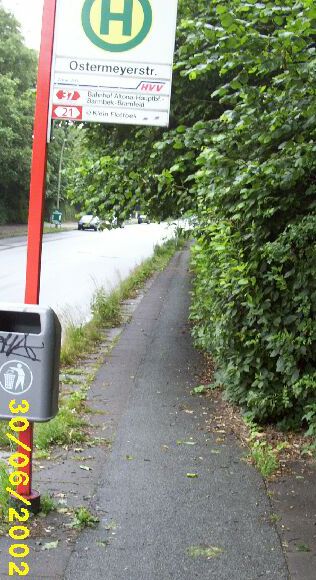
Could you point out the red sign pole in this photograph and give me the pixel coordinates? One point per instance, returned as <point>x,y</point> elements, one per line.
<point>36,205</point>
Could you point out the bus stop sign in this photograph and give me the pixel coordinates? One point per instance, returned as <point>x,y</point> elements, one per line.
<point>112,61</point>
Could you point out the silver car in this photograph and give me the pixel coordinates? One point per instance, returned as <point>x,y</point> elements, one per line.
<point>89,222</point>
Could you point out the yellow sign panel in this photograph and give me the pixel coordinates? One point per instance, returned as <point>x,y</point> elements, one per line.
<point>117,25</point>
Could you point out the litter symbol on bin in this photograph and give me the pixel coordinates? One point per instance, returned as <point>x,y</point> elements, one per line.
<point>16,377</point>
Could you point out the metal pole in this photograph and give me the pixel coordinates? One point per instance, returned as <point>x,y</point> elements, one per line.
<point>36,204</point>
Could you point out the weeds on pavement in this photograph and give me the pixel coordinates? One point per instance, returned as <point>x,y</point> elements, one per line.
<point>47,504</point>
<point>65,429</point>
<point>262,454</point>
<point>83,518</point>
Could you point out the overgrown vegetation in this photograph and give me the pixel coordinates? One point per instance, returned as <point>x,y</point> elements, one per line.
<point>240,155</point>
<point>255,291</point>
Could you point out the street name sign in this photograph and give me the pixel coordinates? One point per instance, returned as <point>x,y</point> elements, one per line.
<point>112,61</point>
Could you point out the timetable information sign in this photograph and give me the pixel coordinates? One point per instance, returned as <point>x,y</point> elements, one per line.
<point>112,61</point>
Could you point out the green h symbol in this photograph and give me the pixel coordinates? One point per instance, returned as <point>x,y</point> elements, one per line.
<point>126,17</point>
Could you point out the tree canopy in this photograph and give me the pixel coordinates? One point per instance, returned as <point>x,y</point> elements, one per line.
<point>17,87</point>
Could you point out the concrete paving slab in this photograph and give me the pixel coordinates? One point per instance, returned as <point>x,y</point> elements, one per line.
<point>294,502</point>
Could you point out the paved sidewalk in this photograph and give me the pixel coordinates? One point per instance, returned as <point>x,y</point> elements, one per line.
<point>155,521</point>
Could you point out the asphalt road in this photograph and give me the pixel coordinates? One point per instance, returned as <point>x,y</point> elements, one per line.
<point>158,523</point>
<point>75,263</point>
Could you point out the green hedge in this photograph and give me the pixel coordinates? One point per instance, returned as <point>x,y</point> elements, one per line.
<point>254,301</point>
<point>257,317</point>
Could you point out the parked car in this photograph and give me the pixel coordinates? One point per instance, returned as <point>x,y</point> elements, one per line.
<point>143,219</point>
<point>89,222</point>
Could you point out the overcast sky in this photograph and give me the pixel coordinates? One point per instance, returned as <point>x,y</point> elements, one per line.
<point>29,14</point>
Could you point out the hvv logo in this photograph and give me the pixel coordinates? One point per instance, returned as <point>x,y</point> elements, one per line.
<point>117,26</point>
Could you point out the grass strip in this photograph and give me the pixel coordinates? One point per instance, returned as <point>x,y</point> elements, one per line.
<point>106,307</point>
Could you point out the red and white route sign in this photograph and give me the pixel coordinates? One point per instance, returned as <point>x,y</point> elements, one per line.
<point>62,112</point>
<point>66,95</point>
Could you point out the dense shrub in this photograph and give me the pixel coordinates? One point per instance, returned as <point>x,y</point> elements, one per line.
<point>257,316</point>
<point>255,260</point>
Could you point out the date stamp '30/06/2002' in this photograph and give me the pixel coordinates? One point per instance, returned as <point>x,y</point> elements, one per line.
<point>18,515</point>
